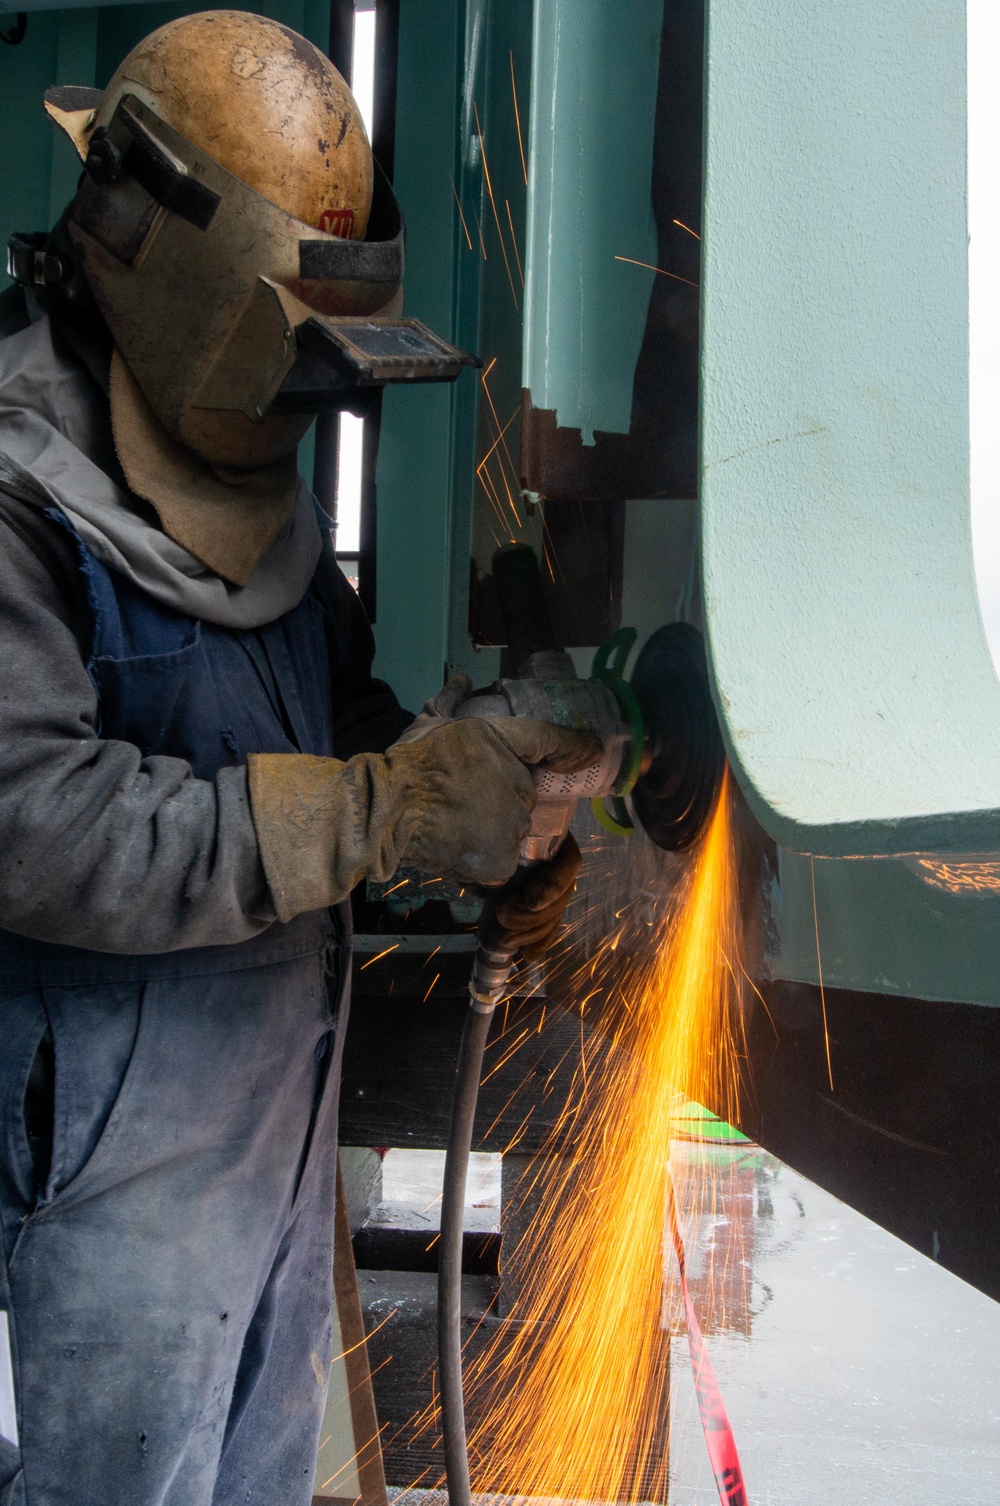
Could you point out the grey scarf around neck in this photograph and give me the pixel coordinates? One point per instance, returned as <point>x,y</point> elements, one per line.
<point>55,439</point>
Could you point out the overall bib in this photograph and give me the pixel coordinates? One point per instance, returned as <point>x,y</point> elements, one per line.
<point>169,1287</point>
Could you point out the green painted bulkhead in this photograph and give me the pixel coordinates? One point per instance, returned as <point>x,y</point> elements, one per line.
<point>858,699</point>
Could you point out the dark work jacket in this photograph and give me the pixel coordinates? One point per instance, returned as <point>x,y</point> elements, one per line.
<point>169,684</point>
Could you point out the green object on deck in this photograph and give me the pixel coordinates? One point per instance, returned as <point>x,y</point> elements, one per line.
<point>692,1121</point>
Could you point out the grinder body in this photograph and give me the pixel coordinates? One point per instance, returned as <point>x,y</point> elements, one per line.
<point>548,690</point>
<point>545,687</point>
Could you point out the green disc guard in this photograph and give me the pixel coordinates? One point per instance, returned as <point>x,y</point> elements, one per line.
<point>609,662</point>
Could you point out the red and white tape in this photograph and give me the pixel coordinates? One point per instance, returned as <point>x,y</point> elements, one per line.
<point>719,1440</point>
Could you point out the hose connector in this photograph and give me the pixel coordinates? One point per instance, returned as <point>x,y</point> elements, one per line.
<point>490,975</point>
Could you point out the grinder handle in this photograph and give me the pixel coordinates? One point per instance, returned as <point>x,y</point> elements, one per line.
<point>494,961</point>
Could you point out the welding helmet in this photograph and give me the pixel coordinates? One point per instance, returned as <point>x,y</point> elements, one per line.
<point>244,252</point>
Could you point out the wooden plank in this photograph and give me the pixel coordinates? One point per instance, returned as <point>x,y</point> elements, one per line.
<point>367,1443</point>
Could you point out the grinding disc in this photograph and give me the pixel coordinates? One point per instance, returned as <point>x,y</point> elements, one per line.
<point>673,800</point>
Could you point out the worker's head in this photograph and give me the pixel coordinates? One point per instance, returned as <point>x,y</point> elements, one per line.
<point>227,199</point>
<point>261,102</point>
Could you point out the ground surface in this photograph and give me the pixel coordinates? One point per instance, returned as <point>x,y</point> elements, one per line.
<point>855,1371</point>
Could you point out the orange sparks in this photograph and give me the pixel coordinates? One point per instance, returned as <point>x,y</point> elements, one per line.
<point>505,1058</point>
<point>574,1392</point>
<point>482,470</point>
<point>378,957</point>
<point>494,496</point>
<point>819,971</point>
<point>499,437</point>
<point>688,229</point>
<point>342,1470</point>
<point>501,429</point>
<point>551,554</point>
<point>431,989</point>
<point>513,241</point>
<point>461,216</point>
<point>517,117</point>
<point>493,202</point>
<point>649,267</point>
<point>479,232</point>
<point>345,1352</point>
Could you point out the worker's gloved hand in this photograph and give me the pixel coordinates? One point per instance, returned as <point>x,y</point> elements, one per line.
<point>527,919</point>
<point>439,709</point>
<point>456,803</point>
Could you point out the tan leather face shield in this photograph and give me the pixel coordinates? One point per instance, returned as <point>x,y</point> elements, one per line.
<point>247,259</point>
<point>219,301</point>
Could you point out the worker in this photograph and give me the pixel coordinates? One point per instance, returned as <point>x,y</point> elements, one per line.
<point>196,768</point>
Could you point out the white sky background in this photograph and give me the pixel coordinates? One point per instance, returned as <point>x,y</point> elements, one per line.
<point>984,305</point>
<point>351,428</point>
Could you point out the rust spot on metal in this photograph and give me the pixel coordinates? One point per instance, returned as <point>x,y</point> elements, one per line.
<point>557,465</point>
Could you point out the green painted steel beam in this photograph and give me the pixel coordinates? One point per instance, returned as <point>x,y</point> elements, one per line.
<point>919,927</point>
<point>454,64</point>
<point>593,91</point>
<point>414,463</point>
<point>859,702</point>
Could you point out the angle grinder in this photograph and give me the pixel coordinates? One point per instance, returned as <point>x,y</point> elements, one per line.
<point>662,763</point>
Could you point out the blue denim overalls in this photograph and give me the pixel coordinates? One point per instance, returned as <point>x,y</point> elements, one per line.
<point>169,1288</point>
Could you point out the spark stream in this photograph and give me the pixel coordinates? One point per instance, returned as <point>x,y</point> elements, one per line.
<point>573,1392</point>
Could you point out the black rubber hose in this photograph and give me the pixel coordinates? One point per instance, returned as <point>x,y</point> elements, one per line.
<point>491,972</point>
<point>449,1303</point>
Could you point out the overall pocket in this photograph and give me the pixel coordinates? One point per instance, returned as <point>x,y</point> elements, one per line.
<point>39,1109</point>
<point>26,1112</point>
<point>93,1033</point>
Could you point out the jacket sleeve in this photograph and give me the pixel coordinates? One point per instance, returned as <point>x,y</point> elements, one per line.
<point>102,848</point>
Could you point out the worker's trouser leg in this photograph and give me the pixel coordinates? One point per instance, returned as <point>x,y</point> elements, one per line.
<point>170,1289</point>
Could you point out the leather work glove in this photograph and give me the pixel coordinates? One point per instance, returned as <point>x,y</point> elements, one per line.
<point>527,919</point>
<point>439,709</point>
<point>456,803</point>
